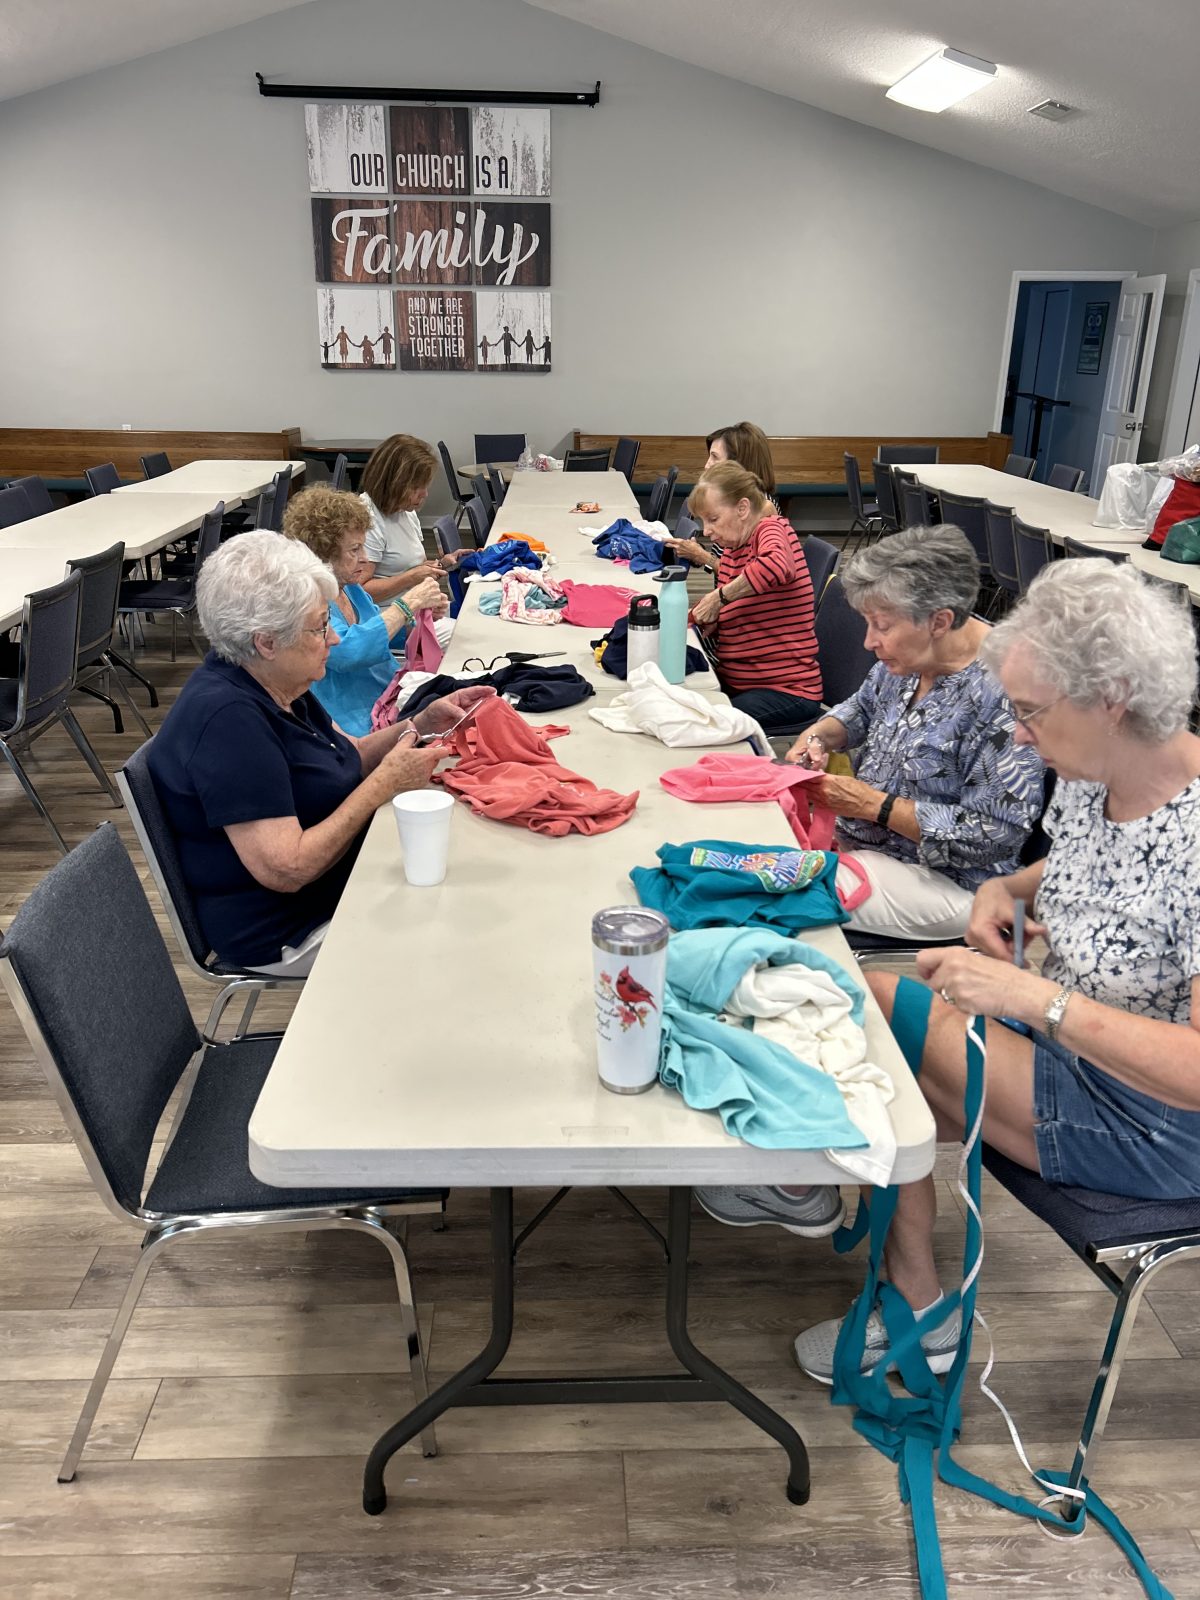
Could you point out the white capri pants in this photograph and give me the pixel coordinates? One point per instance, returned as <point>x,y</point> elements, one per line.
<point>907,901</point>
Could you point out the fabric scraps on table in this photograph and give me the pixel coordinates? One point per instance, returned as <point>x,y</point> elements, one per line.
<point>530,542</point>
<point>534,688</point>
<point>498,558</point>
<point>612,652</point>
<point>731,775</point>
<point>779,871</point>
<point>693,894</point>
<point>595,605</point>
<point>674,715</point>
<point>506,772</point>
<point>536,598</point>
<point>523,596</point>
<point>623,542</point>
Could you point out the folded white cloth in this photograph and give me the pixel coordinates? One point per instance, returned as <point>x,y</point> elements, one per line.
<point>674,715</point>
<point>805,1011</point>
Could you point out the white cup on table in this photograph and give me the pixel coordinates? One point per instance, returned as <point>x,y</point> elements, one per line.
<point>423,822</point>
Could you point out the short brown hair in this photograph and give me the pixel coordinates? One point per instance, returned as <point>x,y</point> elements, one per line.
<point>321,518</point>
<point>748,445</point>
<point>397,467</point>
<point>730,482</point>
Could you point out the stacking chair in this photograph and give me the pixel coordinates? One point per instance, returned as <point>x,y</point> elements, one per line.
<point>843,657</point>
<point>90,979</point>
<point>865,521</point>
<point>625,457</point>
<point>15,507</point>
<point>1002,551</point>
<point>1020,466</point>
<point>497,487</point>
<point>103,479</point>
<point>890,453</point>
<point>95,662</point>
<point>176,595</point>
<point>1033,548</point>
<point>272,503</point>
<point>586,460</point>
<point>1065,477</point>
<point>822,558</point>
<point>39,695</point>
<point>479,521</point>
<point>156,464</point>
<point>337,477</point>
<point>914,505</point>
<point>662,492</point>
<point>686,525</point>
<point>504,447</point>
<point>448,536</point>
<point>457,494</point>
<point>1077,548</point>
<point>36,493</point>
<point>887,510</point>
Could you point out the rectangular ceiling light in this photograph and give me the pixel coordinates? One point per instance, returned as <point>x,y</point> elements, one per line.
<point>942,81</point>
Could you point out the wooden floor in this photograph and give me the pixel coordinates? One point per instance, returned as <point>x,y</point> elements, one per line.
<point>227,1457</point>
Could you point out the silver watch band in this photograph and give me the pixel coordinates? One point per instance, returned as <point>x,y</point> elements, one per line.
<point>1055,1011</point>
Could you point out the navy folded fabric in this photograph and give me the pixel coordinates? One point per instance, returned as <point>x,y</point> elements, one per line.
<point>536,688</point>
<point>623,542</point>
<point>500,558</point>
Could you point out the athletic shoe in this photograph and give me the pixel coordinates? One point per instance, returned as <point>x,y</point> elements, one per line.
<point>814,1215</point>
<point>815,1346</point>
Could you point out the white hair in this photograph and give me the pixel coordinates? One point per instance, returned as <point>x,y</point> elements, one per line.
<point>259,582</point>
<point>1099,633</point>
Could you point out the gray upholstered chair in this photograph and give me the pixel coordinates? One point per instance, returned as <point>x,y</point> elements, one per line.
<point>341,465</point>
<point>662,492</point>
<point>1077,548</point>
<point>503,447</point>
<point>93,987</point>
<point>822,558</point>
<point>1033,549</point>
<point>103,479</point>
<point>586,460</point>
<point>155,465</point>
<point>175,595</point>
<point>885,496</point>
<point>1020,466</point>
<point>1002,550</point>
<point>36,493</point>
<point>1065,477</point>
<point>479,520</point>
<point>891,453</point>
<point>865,521</point>
<point>625,457</point>
<point>95,662</point>
<point>15,506</point>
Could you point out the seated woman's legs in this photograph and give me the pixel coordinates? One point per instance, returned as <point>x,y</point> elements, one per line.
<point>907,901</point>
<point>774,710</point>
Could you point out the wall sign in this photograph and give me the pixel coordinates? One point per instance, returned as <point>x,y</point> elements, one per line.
<point>1091,341</point>
<point>431,237</point>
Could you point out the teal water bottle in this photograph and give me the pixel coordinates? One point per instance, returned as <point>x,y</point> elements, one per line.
<point>673,620</point>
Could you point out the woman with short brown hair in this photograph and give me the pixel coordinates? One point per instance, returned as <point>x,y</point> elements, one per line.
<point>748,445</point>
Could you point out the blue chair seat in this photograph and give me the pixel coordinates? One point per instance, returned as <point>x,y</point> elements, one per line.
<point>153,594</point>
<point>206,1167</point>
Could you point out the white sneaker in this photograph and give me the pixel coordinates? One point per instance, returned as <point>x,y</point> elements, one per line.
<point>814,1215</point>
<point>815,1346</point>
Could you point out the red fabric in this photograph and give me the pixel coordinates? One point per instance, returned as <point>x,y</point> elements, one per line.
<point>1182,502</point>
<point>422,652</point>
<point>768,640</point>
<point>506,772</point>
<point>595,605</point>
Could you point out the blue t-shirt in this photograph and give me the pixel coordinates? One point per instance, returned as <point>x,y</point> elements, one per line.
<point>360,665</point>
<point>227,753</point>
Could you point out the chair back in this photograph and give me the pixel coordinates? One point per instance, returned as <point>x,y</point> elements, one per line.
<point>686,525</point>
<point>341,465</point>
<point>914,505</point>
<point>853,485</point>
<point>207,541</point>
<point>1033,549</point>
<point>1002,546</point>
<point>1064,477</point>
<point>844,659</point>
<point>1020,466</point>
<point>49,642</point>
<point>662,492</point>
<point>99,593</point>
<point>103,479</point>
<point>280,487</point>
<point>446,535</point>
<point>15,507</point>
<point>885,495</point>
<point>92,983</point>
<point>889,453</point>
<point>1077,549</point>
<point>156,464</point>
<point>499,446</point>
<point>586,460</point>
<point>497,487</point>
<point>456,490</point>
<point>477,516</point>
<point>822,558</point>
<point>482,490</point>
<point>625,457</point>
<point>36,493</point>
<point>966,512</point>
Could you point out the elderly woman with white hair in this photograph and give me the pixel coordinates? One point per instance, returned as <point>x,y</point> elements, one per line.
<point>267,798</point>
<point>1093,1073</point>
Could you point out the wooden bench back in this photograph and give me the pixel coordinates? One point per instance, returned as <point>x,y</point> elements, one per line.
<point>797,460</point>
<point>67,452</point>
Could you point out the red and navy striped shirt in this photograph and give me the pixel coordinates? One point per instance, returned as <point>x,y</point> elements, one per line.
<point>767,640</point>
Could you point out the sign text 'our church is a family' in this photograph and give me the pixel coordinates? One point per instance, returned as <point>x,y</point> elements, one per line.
<point>431,230</point>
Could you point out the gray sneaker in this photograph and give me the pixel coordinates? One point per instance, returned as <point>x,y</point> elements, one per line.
<point>815,1346</point>
<point>814,1215</point>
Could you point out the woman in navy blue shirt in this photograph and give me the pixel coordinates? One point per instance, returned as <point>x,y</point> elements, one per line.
<point>267,797</point>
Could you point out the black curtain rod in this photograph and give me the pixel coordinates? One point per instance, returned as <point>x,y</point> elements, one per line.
<point>474,97</point>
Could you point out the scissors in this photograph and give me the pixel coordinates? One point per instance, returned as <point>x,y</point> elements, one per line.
<point>515,658</point>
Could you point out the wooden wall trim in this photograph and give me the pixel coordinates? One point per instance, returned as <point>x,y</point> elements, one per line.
<point>68,452</point>
<point>798,460</point>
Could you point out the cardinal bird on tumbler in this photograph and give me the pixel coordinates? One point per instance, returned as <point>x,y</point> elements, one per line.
<point>631,991</point>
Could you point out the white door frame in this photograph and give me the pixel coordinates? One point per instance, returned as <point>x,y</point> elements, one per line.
<point>1183,378</point>
<point>1018,278</point>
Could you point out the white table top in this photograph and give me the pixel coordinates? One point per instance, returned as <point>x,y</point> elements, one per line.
<point>231,481</point>
<point>145,522</point>
<point>23,572</point>
<point>446,1035</point>
<point>561,490</point>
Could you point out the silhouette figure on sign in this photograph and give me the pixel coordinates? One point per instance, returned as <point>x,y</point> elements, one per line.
<point>385,345</point>
<point>368,350</point>
<point>343,342</point>
<point>545,348</point>
<point>527,341</point>
<point>506,344</point>
<point>484,346</point>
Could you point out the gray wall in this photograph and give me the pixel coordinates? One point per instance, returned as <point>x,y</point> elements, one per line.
<point>718,252</point>
<point>1176,252</point>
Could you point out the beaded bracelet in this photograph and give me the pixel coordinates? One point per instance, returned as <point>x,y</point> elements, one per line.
<point>405,608</point>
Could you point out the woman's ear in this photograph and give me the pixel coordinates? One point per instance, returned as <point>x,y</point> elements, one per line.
<point>941,622</point>
<point>264,646</point>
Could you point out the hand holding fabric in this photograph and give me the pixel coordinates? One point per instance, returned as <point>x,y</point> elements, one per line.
<point>707,609</point>
<point>690,550</point>
<point>993,913</point>
<point>849,797</point>
<point>427,596</point>
<point>982,986</point>
<point>441,714</point>
<point>406,767</point>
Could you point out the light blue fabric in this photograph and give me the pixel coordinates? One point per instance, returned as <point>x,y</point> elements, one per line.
<point>763,1093</point>
<point>535,599</point>
<point>360,665</point>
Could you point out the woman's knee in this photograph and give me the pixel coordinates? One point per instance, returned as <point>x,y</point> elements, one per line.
<point>883,986</point>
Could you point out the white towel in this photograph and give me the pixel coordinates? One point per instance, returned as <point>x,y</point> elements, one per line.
<point>675,715</point>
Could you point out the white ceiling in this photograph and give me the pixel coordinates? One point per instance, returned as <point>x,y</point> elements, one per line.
<point>1129,65</point>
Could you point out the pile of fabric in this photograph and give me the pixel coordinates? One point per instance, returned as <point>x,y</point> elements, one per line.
<point>623,541</point>
<point>722,883</point>
<point>675,715</point>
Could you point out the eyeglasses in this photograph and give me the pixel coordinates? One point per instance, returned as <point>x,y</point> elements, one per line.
<point>1026,717</point>
<point>320,632</point>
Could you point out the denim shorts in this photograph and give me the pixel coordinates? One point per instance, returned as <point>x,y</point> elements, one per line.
<point>1093,1132</point>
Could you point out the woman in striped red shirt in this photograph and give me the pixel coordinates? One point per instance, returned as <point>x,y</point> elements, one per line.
<point>761,611</point>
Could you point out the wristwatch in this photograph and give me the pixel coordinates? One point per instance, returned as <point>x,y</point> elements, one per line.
<point>885,811</point>
<point>1055,1011</point>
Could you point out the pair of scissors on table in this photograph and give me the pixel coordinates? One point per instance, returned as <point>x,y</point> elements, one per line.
<point>515,658</point>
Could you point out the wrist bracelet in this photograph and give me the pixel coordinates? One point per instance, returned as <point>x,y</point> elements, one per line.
<point>403,606</point>
<point>885,810</point>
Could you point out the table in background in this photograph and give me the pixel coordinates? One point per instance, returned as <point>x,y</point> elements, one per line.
<point>230,481</point>
<point>476,469</point>
<point>502,950</point>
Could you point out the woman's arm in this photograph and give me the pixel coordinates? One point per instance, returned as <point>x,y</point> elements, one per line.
<point>382,589</point>
<point>361,643</point>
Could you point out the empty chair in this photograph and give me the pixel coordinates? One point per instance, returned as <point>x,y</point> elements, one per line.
<point>967,512</point>
<point>95,663</point>
<point>156,464</point>
<point>1033,548</point>
<point>89,977</point>
<point>662,492</point>
<point>1002,548</point>
<point>865,520</point>
<point>505,447</point>
<point>15,507</point>
<point>885,497</point>
<point>103,479</point>
<point>496,485</point>
<point>686,525</point>
<point>39,695</point>
<point>914,506</point>
<point>889,453</point>
<point>337,477</point>
<point>844,659</point>
<point>272,503</point>
<point>1065,477</point>
<point>36,493</point>
<point>1020,466</point>
<point>457,494</point>
<point>1077,548</point>
<point>822,558</point>
<point>479,520</point>
<point>586,461</point>
<point>176,595</point>
<point>625,457</point>
<point>483,493</point>
<point>448,537</point>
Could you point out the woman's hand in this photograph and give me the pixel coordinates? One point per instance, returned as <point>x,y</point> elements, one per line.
<point>407,767</point>
<point>993,912</point>
<point>847,797</point>
<point>447,562</point>
<point>810,752</point>
<point>982,986</point>
<point>427,596</point>
<point>441,714</point>
<point>690,550</point>
<point>707,609</point>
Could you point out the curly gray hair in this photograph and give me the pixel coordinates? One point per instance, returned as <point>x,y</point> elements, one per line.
<point>1103,634</point>
<point>917,572</point>
<point>259,582</point>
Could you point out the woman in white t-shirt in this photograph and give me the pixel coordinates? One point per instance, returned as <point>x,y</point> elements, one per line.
<point>1093,1068</point>
<point>395,485</point>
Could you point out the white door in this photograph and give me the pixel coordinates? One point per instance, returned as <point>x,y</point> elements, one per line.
<point>1138,313</point>
<point>1182,427</point>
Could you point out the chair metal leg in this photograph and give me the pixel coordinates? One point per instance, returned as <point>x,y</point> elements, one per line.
<point>127,666</point>
<point>174,621</point>
<point>118,688</point>
<point>408,1319</point>
<point>32,795</point>
<point>187,617</point>
<point>79,738</point>
<point>98,694</point>
<point>151,1246</point>
<point>247,1013</point>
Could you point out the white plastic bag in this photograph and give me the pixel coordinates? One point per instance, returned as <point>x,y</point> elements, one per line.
<point>1125,498</point>
<point>1186,466</point>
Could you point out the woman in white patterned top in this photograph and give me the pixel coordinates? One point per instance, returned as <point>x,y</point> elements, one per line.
<point>1093,1076</point>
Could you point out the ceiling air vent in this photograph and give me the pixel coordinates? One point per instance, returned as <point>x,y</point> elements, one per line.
<point>1053,111</point>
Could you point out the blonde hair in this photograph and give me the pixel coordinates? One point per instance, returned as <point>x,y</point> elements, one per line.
<point>397,467</point>
<point>321,518</point>
<point>729,481</point>
<point>748,445</point>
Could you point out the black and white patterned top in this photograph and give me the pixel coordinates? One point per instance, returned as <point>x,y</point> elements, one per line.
<point>977,794</point>
<point>1121,901</point>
